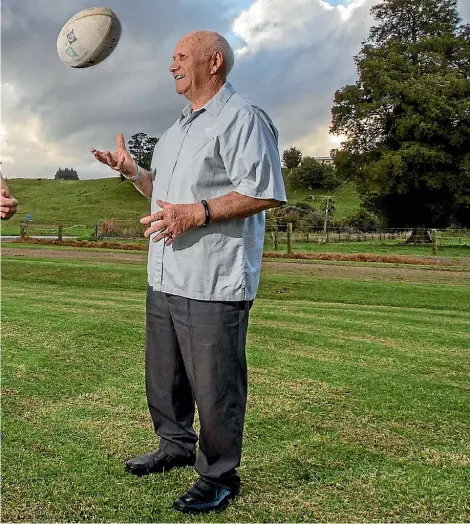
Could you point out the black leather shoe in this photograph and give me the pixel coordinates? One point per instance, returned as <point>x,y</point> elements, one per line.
<point>157,462</point>
<point>203,497</point>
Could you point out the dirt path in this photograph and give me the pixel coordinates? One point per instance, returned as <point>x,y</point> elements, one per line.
<point>311,268</point>
<point>75,254</point>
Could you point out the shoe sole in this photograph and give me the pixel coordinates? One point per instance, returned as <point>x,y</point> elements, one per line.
<point>143,473</point>
<point>203,511</point>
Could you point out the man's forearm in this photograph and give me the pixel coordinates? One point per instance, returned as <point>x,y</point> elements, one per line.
<point>235,205</point>
<point>144,184</point>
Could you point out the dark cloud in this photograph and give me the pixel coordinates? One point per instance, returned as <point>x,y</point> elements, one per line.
<point>296,54</point>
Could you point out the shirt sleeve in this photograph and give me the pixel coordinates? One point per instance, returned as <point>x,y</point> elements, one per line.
<point>251,157</point>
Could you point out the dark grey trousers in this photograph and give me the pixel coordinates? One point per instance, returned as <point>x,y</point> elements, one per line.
<point>195,354</point>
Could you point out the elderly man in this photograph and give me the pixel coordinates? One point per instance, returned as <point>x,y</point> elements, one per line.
<point>214,173</point>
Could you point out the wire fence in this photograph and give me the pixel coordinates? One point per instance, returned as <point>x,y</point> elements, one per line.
<point>449,237</point>
<point>275,238</point>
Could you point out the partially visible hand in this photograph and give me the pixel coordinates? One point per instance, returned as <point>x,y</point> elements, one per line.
<point>173,220</point>
<point>121,160</point>
<point>8,205</point>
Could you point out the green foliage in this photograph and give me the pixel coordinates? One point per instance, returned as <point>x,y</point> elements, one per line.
<point>407,118</point>
<point>344,163</point>
<point>312,174</point>
<point>141,148</point>
<point>301,216</point>
<point>66,174</point>
<point>291,158</point>
<point>363,220</point>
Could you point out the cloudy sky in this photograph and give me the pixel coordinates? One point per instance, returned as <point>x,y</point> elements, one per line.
<point>291,56</point>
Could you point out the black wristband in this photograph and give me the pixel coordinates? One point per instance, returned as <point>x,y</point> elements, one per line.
<point>206,211</point>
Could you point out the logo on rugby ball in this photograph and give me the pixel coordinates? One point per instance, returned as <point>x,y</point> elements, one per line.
<point>70,52</point>
<point>71,37</point>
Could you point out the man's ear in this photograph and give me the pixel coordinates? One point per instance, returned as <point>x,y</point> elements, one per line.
<point>217,62</point>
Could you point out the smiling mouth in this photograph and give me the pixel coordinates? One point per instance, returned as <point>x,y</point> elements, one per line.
<point>179,77</point>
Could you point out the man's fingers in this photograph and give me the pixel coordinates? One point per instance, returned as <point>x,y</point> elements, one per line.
<point>152,218</point>
<point>7,214</point>
<point>110,160</point>
<point>8,202</point>
<point>99,155</point>
<point>121,143</point>
<point>158,227</point>
<point>166,235</point>
<point>163,204</point>
<point>8,209</point>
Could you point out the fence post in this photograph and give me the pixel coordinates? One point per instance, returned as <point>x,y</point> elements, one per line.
<point>22,230</point>
<point>59,234</point>
<point>289,238</point>
<point>96,231</point>
<point>434,241</point>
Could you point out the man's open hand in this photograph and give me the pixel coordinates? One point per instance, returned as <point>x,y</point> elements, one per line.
<point>121,160</point>
<point>173,220</point>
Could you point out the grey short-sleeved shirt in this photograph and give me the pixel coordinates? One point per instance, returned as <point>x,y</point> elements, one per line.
<point>229,145</point>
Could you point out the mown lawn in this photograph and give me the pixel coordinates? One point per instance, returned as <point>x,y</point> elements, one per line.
<point>358,406</point>
<point>394,247</point>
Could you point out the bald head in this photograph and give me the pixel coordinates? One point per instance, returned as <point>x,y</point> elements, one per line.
<point>210,42</point>
<point>201,62</point>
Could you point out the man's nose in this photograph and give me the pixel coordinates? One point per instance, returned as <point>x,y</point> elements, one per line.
<point>173,67</point>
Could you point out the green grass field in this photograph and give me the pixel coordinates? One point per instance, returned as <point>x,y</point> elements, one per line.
<point>358,395</point>
<point>74,203</point>
<point>86,202</point>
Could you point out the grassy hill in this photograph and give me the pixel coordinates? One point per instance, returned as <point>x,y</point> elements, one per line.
<point>346,198</point>
<point>81,202</point>
<point>86,202</point>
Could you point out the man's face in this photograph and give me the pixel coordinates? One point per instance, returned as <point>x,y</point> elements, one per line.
<point>190,68</point>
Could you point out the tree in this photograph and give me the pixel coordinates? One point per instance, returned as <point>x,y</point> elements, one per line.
<point>362,220</point>
<point>66,174</point>
<point>291,158</point>
<point>407,118</point>
<point>141,148</point>
<point>312,174</point>
<point>302,217</point>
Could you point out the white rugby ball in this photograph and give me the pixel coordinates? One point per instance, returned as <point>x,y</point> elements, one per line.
<point>89,37</point>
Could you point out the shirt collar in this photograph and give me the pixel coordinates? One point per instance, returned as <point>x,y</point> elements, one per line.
<point>216,103</point>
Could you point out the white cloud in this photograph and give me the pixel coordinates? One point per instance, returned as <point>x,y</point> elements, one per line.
<point>302,53</point>
<point>295,55</point>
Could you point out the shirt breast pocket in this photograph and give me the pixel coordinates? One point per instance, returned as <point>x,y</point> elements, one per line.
<point>201,142</point>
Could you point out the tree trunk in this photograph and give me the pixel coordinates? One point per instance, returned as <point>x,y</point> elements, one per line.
<point>419,236</point>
